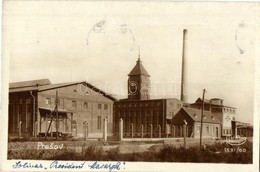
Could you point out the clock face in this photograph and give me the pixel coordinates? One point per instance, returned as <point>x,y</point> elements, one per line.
<point>145,90</point>
<point>145,85</point>
<point>132,87</point>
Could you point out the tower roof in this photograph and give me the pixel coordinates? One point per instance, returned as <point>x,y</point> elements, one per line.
<point>138,69</point>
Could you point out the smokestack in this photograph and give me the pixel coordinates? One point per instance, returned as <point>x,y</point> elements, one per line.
<point>183,70</point>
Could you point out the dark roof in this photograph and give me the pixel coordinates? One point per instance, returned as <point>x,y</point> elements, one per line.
<point>138,69</point>
<point>245,127</point>
<point>53,86</point>
<point>51,109</point>
<point>200,100</point>
<point>195,114</point>
<point>207,101</point>
<point>216,99</point>
<point>45,87</point>
<point>31,83</point>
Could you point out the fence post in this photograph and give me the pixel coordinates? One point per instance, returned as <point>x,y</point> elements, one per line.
<point>132,130</point>
<point>121,129</point>
<point>105,130</point>
<point>160,130</point>
<point>85,130</point>
<point>151,126</point>
<point>142,130</point>
<point>20,129</point>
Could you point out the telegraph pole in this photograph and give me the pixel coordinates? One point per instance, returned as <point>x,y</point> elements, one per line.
<point>202,115</point>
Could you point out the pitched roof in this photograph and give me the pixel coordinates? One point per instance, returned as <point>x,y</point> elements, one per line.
<point>200,100</point>
<point>138,69</point>
<point>31,83</point>
<point>45,87</point>
<point>195,114</point>
<point>207,101</point>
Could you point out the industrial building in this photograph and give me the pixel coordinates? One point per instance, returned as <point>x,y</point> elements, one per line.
<point>142,116</point>
<point>145,117</point>
<point>225,114</point>
<point>81,109</point>
<point>192,118</point>
<point>241,129</point>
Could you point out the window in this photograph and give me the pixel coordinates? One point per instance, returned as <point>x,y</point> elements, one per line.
<point>99,123</point>
<point>74,104</point>
<point>207,129</point>
<point>58,101</point>
<point>106,107</point>
<point>48,101</point>
<point>85,105</point>
<point>198,129</point>
<point>99,106</point>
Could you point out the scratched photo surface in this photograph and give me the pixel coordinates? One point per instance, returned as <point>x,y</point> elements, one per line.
<point>99,85</point>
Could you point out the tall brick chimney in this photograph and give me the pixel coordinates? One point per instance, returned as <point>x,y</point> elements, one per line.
<point>184,70</point>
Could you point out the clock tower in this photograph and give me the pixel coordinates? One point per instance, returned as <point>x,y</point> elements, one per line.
<point>139,83</point>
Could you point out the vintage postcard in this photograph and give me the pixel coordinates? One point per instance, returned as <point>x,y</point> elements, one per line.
<point>120,86</point>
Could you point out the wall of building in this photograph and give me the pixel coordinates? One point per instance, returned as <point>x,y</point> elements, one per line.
<point>228,116</point>
<point>148,113</point>
<point>91,108</point>
<point>209,130</point>
<point>20,110</point>
<point>172,107</point>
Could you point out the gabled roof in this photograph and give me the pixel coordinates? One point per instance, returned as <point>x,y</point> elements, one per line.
<point>138,69</point>
<point>40,88</point>
<point>31,83</point>
<point>195,114</point>
<point>207,101</point>
<point>200,100</point>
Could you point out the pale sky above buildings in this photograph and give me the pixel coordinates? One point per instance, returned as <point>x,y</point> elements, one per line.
<point>98,42</point>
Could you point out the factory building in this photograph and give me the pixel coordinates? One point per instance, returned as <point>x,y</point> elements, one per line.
<point>191,117</point>
<point>142,116</point>
<point>241,129</point>
<point>225,114</point>
<point>81,109</point>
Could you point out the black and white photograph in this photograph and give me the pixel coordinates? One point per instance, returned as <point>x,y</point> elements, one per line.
<point>129,85</point>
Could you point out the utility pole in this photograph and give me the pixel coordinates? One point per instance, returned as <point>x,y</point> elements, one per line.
<point>202,115</point>
<point>57,114</point>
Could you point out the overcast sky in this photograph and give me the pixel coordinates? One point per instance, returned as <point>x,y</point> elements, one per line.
<point>98,42</point>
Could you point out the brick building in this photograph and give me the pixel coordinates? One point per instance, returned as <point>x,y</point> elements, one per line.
<point>192,117</point>
<point>225,114</point>
<point>142,116</point>
<point>81,108</point>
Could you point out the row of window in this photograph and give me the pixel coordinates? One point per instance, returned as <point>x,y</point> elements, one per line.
<point>209,129</point>
<point>137,113</point>
<point>229,110</point>
<point>204,117</point>
<point>227,131</point>
<point>173,104</point>
<point>74,104</point>
<point>138,105</point>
